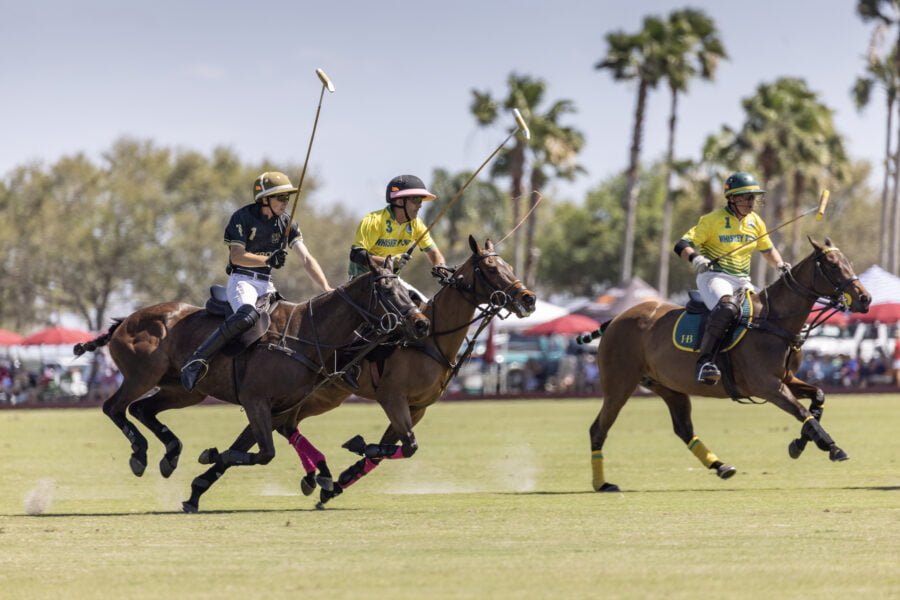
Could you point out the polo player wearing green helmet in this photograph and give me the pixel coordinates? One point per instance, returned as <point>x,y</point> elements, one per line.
<point>716,234</point>
<point>255,236</point>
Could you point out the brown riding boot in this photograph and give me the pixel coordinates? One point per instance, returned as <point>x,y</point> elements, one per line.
<point>718,324</point>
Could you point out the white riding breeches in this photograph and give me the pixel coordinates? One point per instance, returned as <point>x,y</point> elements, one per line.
<point>413,292</point>
<point>712,286</point>
<point>243,289</point>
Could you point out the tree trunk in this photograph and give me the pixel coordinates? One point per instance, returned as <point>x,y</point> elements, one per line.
<point>894,217</point>
<point>630,199</point>
<point>532,252</point>
<point>799,190</point>
<point>884,238</point>
<point>665,244</point>
<point>517,173</point>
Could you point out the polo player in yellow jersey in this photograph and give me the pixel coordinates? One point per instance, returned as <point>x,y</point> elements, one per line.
<point>715,235</point>
<point>392,230</point>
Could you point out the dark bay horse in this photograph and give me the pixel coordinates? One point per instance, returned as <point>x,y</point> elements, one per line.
<point>414,375</point>
<point>637,348</point>
<point>267,380</point>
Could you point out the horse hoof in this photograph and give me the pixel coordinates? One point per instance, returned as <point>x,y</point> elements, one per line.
<point>208,456</point>
<point>837,455</point>
<point>326,483</point>
<point>137,465</point>
<point>167,466</point>
<point>607,487</point>
<point>725,471</point>
<point>189,508</point>
<point>320,505</point>
<point>795,449</point>
<point>308,484</point>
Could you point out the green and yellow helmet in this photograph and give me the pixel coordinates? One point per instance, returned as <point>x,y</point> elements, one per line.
<point>271,183</point>
<point>742,183</point>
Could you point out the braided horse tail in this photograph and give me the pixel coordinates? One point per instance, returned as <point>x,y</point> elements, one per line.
<point>587,338</point>
<point>97,342</point>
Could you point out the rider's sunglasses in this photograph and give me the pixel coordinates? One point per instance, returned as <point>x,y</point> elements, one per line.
<point>417,200</point>
<point>281,197</point>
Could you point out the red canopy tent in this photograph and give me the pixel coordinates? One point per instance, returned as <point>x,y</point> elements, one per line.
<point>57,336</point>
<point>889,312</point>
<point>566,324</point>
<point>841,319</point>
<point>10,338</point>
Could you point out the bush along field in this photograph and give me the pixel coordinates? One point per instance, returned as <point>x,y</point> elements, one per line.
<point>497,503</point>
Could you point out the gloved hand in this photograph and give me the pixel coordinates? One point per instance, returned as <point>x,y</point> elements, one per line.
<point>441,272</point>
<point>700,264</point>
<point>277,258</point>
<point>400,261</point>
<point>784,267</point>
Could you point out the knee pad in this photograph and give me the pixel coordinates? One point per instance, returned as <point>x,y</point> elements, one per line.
<point>243,319</point>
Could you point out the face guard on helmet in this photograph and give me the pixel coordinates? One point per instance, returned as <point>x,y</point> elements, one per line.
<point>742,185</point>
<point>406,186</point>
<point>271,183</point>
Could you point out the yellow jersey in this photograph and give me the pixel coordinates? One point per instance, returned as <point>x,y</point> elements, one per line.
<point>721,231</point>
<point>380,234</point>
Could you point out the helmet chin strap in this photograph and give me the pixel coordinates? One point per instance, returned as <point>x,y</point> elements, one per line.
<point>405,212</point>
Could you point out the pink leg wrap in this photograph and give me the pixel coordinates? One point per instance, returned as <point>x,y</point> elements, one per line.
<point>309,454</point>
<point>398,453</point>
<point>367,468</point>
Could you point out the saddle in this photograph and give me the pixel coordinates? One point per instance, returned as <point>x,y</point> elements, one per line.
<point>217,305</point>
<point>688,331</point>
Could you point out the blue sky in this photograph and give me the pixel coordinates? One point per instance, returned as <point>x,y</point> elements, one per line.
<point>197,74</point>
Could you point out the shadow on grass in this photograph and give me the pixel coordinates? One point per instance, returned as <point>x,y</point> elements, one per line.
<point>178,513</point>
<point>872,488</point>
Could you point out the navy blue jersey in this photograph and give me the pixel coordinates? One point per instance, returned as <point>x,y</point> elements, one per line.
<point>249,229</point>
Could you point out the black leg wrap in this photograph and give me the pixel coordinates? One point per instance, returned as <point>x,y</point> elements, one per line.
<point>237,457</point>
<point>353,472</point>
<point>380,450</point>
<point>813,431</point>
<point>356,445</point>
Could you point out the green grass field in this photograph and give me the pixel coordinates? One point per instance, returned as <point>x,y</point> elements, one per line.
<point>496,504</point>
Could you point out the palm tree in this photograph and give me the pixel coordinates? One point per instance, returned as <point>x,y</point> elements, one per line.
<point>693,48</point>
<point>887,14</point>
<point>789,136</point>
<point>553,147</point>
<point>881,72</point>
<point>483,210</point>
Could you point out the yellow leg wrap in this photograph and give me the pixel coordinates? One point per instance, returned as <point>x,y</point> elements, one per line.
<point>597,468</point>
<point>701,452</point>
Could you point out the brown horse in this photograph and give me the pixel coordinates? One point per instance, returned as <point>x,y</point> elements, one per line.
<point>637,348</point>
<point>267,380</point>
<point>410,379</point>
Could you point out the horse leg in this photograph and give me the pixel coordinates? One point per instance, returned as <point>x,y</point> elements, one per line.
<point>679,405</point>
<point>372,455</point>
<point>312,459</point>
<point>145,411</point>
<point>812,429</point>
<point>617,389</point>
<point>816,397</point>
<point>114,408</point>
<point>202,483</point>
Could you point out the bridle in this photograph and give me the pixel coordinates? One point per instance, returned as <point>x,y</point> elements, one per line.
<point>499,298</point>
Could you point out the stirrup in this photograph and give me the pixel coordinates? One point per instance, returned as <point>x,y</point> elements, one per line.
<point>709,373</point>
<point>192,372</point>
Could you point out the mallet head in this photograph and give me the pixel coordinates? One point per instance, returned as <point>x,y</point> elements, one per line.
<point>823,202</point>
<point>520,121</point>
<point>325,80</point>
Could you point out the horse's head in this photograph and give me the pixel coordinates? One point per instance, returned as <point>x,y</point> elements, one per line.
<point>828,273</point>
<point>489,279</point>
<point>393,305</point>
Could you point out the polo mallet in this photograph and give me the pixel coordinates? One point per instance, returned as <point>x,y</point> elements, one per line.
<point>820,214</point>
<point>522,126</point>
<point>326,84</point>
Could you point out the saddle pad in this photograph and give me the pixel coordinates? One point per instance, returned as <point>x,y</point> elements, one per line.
<point>686,335</point>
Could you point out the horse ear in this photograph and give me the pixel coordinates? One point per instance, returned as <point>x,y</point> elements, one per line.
<point>473,244</point>
<point>489,245</point>
<point>828,241</point>
<point>815,244</point>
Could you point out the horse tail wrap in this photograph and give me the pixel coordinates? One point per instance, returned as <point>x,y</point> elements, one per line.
<point>587,338</point>
<point>97,342</point>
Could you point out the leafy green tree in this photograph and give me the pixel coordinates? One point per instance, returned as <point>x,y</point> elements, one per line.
<point>482,211</point>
